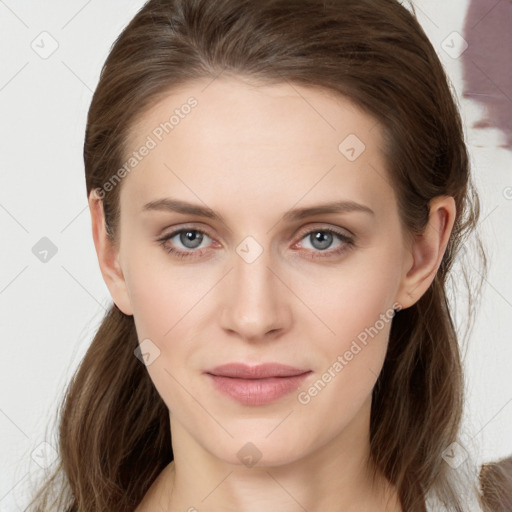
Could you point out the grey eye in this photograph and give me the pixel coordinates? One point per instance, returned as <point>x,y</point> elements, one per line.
<point>190,238</point>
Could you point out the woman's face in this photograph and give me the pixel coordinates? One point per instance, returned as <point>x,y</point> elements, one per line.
<point>261,279</point>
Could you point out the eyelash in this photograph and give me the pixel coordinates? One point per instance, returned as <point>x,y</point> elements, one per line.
<point>347,245</point>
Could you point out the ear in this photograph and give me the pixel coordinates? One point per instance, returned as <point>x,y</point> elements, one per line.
<point>427,251</point>
<point>108,256</point>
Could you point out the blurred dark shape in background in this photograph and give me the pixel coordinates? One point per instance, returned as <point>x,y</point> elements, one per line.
<point>487,62</point>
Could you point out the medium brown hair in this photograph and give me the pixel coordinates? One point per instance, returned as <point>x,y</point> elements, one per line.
<point>496,483</point>
<point>114,434</point>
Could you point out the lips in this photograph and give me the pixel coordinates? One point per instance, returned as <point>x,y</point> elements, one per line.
<point>256,385</point>
<point>262,371</point>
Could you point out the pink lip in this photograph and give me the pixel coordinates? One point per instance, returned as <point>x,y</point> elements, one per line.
<point>256,385</point>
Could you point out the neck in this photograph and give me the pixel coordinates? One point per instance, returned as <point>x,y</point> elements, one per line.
<point>335,477</point>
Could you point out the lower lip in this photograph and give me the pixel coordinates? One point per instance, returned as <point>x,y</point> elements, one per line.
<point>257,391</point>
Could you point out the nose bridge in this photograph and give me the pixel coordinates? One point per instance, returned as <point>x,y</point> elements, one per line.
<point>255,305</point>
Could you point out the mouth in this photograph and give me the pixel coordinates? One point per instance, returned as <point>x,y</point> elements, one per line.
<point>256,385</point>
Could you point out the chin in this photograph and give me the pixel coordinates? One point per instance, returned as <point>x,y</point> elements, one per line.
<point>262,450</point>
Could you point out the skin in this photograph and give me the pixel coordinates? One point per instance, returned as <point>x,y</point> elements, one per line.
<point>251,153</point>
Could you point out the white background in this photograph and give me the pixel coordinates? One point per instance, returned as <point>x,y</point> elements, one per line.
<point>50,311</point>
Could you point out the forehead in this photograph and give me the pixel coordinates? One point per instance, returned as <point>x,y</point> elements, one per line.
<point>228,141</point>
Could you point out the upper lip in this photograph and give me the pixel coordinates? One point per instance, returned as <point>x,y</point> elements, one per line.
<point>261,371</point>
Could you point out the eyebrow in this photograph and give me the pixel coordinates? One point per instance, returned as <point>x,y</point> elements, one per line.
<point>178,206</point>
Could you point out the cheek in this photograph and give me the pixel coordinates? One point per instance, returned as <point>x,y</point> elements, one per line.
<point>172,307</point>
<point>355,305</point>
<point>360,313</point>
<point>166,302</point>
<point>350,299</point>
<point>161,292</point>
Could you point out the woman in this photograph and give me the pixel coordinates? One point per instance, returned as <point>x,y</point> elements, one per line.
<point>278,191</point>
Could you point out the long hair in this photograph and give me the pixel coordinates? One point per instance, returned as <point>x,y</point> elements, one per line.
<point>496,483</point>
<point>114,436</point>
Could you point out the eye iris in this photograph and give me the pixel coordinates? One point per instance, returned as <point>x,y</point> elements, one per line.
<point>324,238</point>
<point>191,236</point>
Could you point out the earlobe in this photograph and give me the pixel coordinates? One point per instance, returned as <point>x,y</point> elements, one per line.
<point>108,256</point>
<point>427,251</point>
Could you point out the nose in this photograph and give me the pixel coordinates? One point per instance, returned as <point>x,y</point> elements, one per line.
<point>256,302</point>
